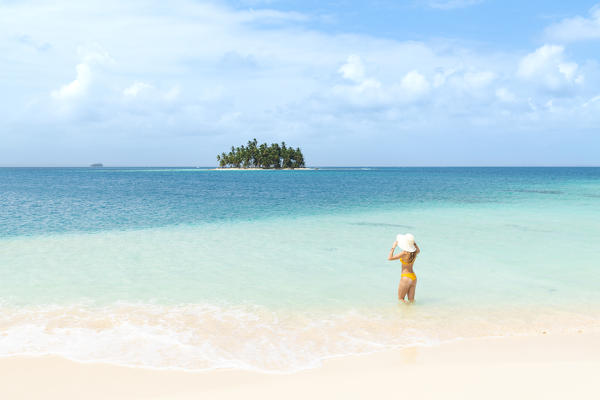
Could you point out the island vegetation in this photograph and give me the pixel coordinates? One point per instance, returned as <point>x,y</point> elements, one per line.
<point>263,156</point>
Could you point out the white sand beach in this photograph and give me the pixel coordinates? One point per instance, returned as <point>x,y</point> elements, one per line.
<point>528,367</point>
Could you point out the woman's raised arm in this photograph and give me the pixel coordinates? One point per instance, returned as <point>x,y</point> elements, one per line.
<point>391,255</point>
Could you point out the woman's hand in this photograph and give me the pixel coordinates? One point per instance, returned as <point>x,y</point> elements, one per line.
<point>395,244</point>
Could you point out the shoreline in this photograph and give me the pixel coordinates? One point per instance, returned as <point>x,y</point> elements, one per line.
<point>544,366</point>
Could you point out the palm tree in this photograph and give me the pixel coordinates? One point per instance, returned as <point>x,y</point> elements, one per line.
<point>262,156</point>
<point>285,156</point>
<point>299,158</point>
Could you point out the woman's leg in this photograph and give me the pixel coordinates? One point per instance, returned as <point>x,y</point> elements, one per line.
<point>411,291</point>
<point>403,287</point>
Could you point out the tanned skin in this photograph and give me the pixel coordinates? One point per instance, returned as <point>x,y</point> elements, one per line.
<point>407,286</point>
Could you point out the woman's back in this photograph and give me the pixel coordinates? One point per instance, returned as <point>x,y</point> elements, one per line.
<point>408,260</point>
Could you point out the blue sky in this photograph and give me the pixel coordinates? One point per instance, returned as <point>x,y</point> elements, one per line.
<point>419,82</point>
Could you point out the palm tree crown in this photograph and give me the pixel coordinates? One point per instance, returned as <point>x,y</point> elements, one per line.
<point>254,155</point>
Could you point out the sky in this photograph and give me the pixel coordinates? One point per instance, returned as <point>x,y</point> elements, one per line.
<point>378,83</point>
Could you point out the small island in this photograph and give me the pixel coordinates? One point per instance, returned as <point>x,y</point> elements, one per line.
<point>96,165</point>
<point>263,156</point>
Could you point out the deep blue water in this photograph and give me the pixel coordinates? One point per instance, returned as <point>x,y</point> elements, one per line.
<point>52,200</point>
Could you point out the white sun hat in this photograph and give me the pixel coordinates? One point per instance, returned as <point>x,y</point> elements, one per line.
<point>406,242</point>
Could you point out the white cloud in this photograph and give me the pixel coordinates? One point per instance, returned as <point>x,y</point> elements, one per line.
<point>414,84</point>
<point>576,28</point>
<point>548,67</point>
<point>452,4</point>
<point>78,86</point>
<point>364,91</point>
<point>539,60</point>
<point>353,69</point>
<point>136,88</point>
<point>568,70</point>
<point>368,91</point>
<point>83,77</point>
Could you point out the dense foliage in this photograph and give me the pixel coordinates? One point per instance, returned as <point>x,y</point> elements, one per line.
<point>262,156</point>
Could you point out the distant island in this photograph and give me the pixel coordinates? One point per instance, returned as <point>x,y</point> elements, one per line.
<point>96,165</point>
<point>264,156</point>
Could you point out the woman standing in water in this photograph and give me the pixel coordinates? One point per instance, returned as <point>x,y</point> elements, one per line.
<point>408,279</point>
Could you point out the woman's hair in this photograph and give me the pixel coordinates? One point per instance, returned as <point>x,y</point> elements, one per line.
<point>412,256</point>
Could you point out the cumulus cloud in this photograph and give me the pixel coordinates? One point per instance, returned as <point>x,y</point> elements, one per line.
<point>353,69</point>
<point>414,84</point>
<point>576,28</point>
<point>369,91</point>
<point>83,75</point>
<point>363,91</point>
<point>78,86</point>
<point>548,67</point>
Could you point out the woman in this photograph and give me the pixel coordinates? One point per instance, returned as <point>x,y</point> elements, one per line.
<point>408,279</point>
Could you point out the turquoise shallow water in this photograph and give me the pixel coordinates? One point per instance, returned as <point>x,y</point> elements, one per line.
<point>275,270</point>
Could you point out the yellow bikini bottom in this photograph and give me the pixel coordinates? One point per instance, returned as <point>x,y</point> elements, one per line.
<point>409,275</point>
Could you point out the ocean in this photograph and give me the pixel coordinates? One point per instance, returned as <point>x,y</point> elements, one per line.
<point>275,271</point>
